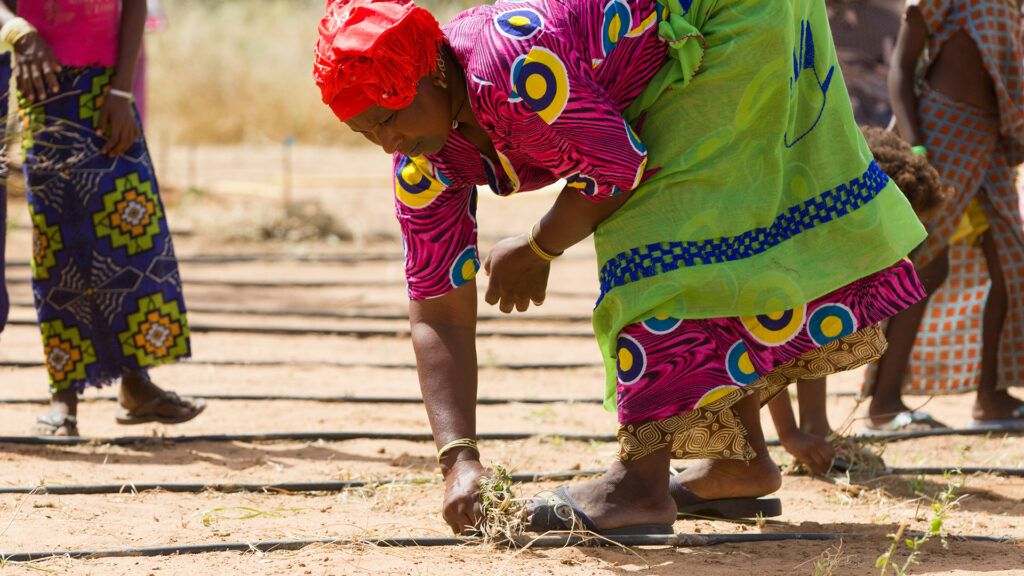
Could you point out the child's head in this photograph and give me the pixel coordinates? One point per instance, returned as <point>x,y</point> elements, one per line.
<point>911,172</point>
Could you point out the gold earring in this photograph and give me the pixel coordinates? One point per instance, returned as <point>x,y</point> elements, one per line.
<point>443,70</point>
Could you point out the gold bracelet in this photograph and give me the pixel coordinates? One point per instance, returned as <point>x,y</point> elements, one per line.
<point>538,250</point>
<point>15,29</point>
<point>467,442</point>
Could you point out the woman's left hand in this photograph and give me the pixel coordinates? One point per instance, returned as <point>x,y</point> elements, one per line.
<point>117,125</point>
<point>518,275</point>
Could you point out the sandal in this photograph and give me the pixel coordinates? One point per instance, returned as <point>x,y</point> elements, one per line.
<point>906,421</point>
<point>556,511</point>
<point>50,425</point>
<point>1014,423</point>
<point>153,410</point>
<point>689,504</point>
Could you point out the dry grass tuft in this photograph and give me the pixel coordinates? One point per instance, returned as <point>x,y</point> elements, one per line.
<point>503,512</point>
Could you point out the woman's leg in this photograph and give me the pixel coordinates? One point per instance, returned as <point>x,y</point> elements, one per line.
<point>886,398</point>
<point>713,479</point>
<point>991,403</point>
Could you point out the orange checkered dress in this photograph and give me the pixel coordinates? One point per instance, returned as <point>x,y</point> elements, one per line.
<point>977,153</point>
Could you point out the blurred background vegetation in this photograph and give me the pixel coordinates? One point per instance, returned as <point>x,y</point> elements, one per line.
<point>240,71</point>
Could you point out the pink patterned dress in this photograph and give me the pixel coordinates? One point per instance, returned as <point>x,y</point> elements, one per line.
<point>549,82</point>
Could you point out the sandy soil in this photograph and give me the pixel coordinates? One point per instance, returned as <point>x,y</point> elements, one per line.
<point>863,514</point>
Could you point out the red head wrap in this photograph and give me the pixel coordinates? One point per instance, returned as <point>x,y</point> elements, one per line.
<point>373,52</point>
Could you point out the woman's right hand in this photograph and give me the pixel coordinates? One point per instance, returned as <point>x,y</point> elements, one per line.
<point>35,67</point>
<point>461,507</point>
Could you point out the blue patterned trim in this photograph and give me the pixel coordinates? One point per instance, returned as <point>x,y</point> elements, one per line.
<point>659,258</point>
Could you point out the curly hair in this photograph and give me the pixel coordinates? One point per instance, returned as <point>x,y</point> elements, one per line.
<point>912,173</point>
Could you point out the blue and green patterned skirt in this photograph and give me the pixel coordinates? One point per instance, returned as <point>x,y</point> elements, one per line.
<point>104,275</point>
<point>5,80</point>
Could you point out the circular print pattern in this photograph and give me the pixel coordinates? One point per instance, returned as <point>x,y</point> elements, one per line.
<point>661,324</point>
<point>775,328</point>
<point>632,362</point>
<point>634,140</point>
<point>716,393</point>
<point>830,323</point>
<point>739,366</point>
<point>414,185</point>
<point>517,69</point>
<point>465,267</point>
<point>583,184</point>
<point>617,22</point>
<point>543,84</point>
<point>519,24</point>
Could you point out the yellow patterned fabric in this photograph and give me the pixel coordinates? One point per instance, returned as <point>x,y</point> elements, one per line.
<point>714,432</point>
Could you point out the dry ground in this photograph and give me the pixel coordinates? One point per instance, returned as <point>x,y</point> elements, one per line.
<point>239,186</point>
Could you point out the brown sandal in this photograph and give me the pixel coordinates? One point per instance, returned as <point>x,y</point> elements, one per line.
<point>153,410</point>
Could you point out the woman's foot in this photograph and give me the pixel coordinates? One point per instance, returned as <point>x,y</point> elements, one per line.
<point>881,415</point>
<point>62,419</point>
<point>718,479</point>
<point>618,499</point>
<point>143,401</point>
<point>998,405</point>
<point>630,494</point>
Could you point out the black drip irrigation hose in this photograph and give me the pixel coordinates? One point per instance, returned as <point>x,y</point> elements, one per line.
<point>255,258</point>
<point>279,487</point>
<point>343,364</point>
<point>289,258</point>
<point>308,284</point>
<point>333,486</point>
<point>282,436</point>
<point>560,541</point>
<point>360,314</point>
<point>326,399</point>
<point>402,332</point>
<point>328,436</point>
<point>349,399</point>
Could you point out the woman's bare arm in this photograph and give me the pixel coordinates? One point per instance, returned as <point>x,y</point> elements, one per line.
<point>909,45</point>
<point>444,339</point>
<point>518,275</point>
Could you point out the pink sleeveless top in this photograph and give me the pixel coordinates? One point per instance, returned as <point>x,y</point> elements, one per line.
<point>80,32</point>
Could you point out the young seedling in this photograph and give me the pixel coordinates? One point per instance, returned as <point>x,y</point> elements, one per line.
<point>941,505</point>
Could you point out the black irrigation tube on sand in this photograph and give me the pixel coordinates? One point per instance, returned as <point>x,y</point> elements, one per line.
<point>279,487</point>
<point>360,314</point>
<point>284,436</point>
<point>327,399</point>
<point>559,541</point>
<point>342,485</point>
<point>317,284</point>
<point>248,258</point>
<point>309,284</point>
<point>286,258</point>
<point>346,399</point>
<point>343,364</point>
<point>357,315</point>
<point>329,436</point>
<point>402,332</point>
